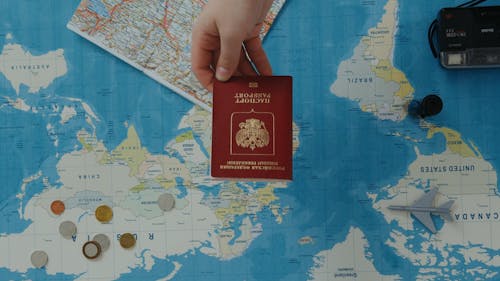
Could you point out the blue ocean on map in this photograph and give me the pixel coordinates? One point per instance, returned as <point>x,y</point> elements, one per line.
<point>343,154</point>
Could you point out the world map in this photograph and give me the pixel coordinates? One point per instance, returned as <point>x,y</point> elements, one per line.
<point>79,125</point>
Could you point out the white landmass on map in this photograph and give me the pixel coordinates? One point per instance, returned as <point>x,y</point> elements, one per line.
<point>171,233</point>
<point>51,132</point>
<point>370,78</point>
<point>21,67</point>
<point>348,260</point>
<point>67,113</point>
<point>200,122</point>
<point>90,116</point>
<point>461,174</point>
<point>306,240</point>
<point>171,275</point>
<point>130,179</point>
<point>18,104</point>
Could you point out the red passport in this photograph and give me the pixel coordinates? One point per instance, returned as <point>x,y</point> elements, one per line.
<point>252,128</point>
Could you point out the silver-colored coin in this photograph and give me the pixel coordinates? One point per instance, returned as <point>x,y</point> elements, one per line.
<point>166,202</point>
<point>67,229</point>
<point>103,241</point>
<point>39,259</point>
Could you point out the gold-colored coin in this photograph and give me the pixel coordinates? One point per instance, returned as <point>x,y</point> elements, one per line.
<point>104,213</point>
<point>127,240</point>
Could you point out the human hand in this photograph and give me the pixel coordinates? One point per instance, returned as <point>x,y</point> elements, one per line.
<point>218,34</point>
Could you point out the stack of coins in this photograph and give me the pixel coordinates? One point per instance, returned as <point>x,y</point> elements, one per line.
<point>91,250</point>
<point>104,213</point>
<point>127,240</point>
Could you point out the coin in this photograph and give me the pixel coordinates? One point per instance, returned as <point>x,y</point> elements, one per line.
<point>127,240</point>
<point>67,229</point>
<point>91,250</point>
<point>103,241</point>
<point>57,207</point>
<point>166,202</point>
<point>104,213</point>
<point>39,259</point>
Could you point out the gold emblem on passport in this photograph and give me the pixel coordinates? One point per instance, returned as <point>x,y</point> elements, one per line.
<point>252,133</point>
<point>253,85</point>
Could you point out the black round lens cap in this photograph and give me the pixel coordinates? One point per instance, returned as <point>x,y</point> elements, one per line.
<point>431,105</point>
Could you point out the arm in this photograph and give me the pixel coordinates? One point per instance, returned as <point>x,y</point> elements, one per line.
<point>218,34</point>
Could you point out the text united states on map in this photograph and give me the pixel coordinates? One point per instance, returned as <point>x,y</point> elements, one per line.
<point>152,36</point>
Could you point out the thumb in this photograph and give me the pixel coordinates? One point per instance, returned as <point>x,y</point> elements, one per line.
<point>230,52</point>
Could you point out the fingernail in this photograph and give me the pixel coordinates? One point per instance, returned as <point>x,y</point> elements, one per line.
<point>222,73</point>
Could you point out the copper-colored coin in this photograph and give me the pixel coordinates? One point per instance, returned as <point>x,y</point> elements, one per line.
<point>127,240</point>
<point>91,250</point>
<point>104,213</point>
<point>57,207</point>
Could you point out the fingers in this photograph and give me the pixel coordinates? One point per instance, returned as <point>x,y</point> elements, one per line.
<point>205,53</point>
<point>230,52</point>
<point>202,53</point>
<point>258,56</point>
<point>244,67</point>
<point>265,10</point>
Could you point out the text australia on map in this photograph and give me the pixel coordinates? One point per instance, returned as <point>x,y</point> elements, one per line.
<point>220,219</point>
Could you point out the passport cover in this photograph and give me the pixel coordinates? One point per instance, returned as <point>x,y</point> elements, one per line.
<point>252,128</point>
